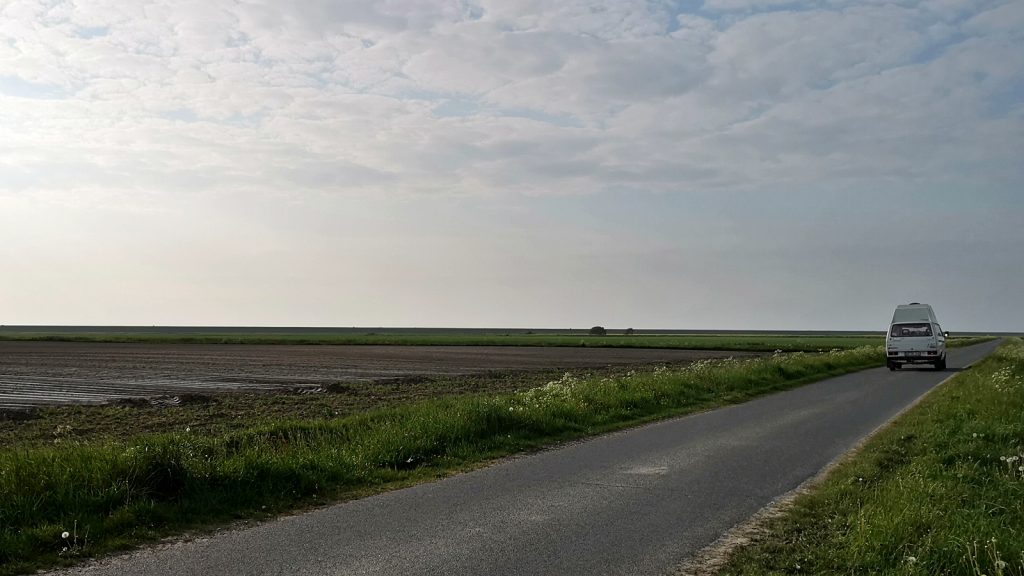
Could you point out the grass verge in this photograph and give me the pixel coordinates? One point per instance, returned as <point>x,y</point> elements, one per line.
<point>940,491</point>
<point>109,495</point>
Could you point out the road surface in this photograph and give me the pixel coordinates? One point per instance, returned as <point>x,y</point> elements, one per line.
<point>635,502</point>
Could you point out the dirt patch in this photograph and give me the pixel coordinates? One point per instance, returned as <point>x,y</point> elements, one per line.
<point>8,415</point>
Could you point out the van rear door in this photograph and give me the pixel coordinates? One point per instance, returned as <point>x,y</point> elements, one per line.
<point>912,339</point>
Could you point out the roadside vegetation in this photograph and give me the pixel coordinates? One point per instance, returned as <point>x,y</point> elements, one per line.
<point>940,491</point>
<point>70,497</point>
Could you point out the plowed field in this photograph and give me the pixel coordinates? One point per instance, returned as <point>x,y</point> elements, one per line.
<point>56,373</point>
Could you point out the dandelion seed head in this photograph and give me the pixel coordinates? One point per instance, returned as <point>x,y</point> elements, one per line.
<point>65,534</point>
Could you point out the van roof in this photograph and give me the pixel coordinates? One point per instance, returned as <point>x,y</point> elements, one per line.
<point>913,313</point>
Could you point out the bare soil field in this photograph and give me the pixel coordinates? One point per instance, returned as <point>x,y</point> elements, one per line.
<point>35,374</point>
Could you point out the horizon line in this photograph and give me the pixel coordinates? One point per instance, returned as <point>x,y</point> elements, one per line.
<point>521,330</point>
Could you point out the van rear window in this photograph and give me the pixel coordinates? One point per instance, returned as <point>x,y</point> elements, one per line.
<point>910,330</point>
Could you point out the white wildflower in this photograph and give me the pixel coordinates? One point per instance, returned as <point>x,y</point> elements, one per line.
<point>65,534</point>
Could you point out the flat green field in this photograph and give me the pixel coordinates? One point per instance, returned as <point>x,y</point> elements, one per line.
<point>737,341</point>
<point>728,341</point>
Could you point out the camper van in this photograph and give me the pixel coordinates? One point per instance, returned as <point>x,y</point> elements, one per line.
<point>915,337</point>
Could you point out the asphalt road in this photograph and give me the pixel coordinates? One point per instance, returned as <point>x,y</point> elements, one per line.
<point>636,502</point>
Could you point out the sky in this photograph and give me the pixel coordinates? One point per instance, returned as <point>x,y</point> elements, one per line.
<point>733,164</point>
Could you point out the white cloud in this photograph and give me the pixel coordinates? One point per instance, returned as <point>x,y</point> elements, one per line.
<point>1005,19</point>
<point>133,106</point>
<point>254,92</point>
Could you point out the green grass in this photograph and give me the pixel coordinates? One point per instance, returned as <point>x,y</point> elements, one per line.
<point>751,342</point>
<point>738,342</point>
<point>114,494</point>
<point>940,491</point>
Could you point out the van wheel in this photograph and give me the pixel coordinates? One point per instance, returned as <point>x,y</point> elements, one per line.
<point>941,364</point>
<point>892,366</point>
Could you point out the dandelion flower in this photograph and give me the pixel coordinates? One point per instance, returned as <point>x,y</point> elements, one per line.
<point>65,534</point>
<point>911,559</point>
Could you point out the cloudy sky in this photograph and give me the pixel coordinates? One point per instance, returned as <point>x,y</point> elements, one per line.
<point>516,163</point>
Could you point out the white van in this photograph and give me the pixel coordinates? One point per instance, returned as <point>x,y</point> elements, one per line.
<point>915,337</point>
